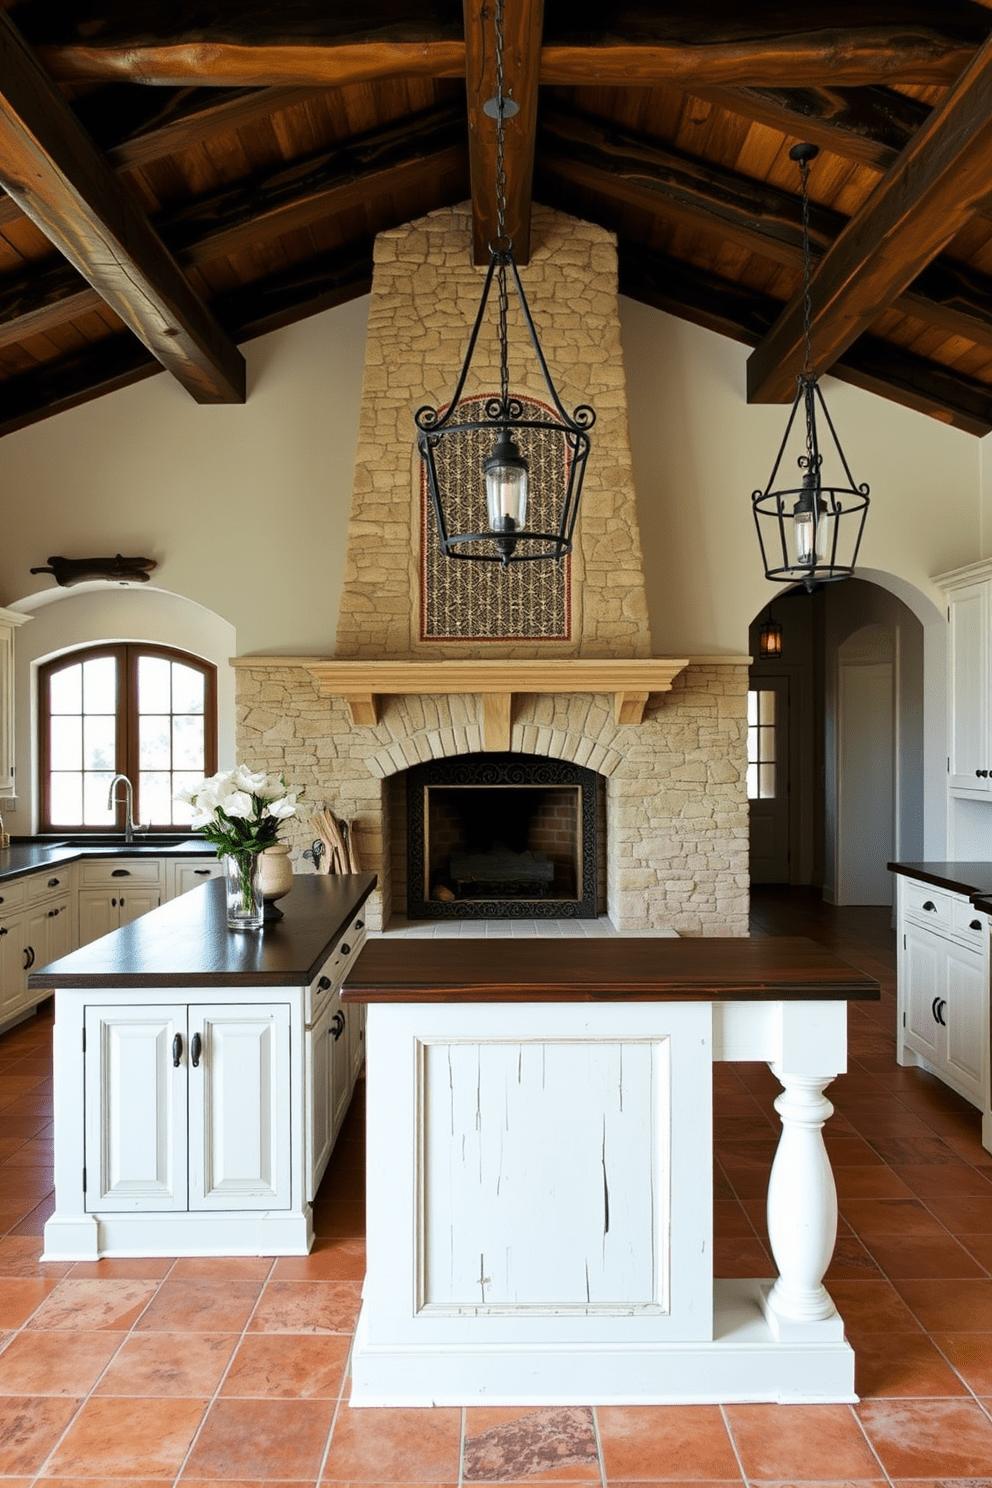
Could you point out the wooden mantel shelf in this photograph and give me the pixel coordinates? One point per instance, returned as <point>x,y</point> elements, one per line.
<point>363,683</point>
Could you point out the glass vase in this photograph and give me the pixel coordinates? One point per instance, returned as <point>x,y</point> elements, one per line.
<point>245,905</point>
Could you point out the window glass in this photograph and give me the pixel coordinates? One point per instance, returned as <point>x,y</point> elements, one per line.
<point>761,744</point>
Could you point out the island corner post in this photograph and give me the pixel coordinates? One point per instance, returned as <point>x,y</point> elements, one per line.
<point>540,1224</point>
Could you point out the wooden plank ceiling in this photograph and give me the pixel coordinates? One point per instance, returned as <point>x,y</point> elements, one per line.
<point>178,178</point>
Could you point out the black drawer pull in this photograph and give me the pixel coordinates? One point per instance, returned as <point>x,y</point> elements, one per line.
<point>323,984</point>
<point>359,924</point>
<point>28,957</point>
<point>177,1050</point>
<point>346,949</point>
<point>337,1025</point>
<point>3,930</point>
<point>931,906</point>
<point>195,1050</point>
<point>53,883</point>
<point>202,872</point>
<point>120,873</point>
<point>975,925</point>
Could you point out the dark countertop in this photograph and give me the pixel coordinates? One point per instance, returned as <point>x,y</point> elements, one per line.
<point>31,856</point>
<point>982,902</point>
<point>652,969</point>
<point>972,879</point>
<point>186,943</point>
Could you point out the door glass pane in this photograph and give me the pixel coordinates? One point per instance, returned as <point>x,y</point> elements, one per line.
<point>156,797</point>
<point>99,743</point>
<point>96,789</point>
<point>188,688</point>
<point>100,685</point>
<point>761,744</point>
<point>65,742</point>
<point>153,742</point>
<point>67,798</point>
<point>65,690</point>
<point>153,684</point>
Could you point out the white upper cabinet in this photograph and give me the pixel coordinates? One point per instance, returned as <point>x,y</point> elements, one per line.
<point>9,621</point>
<point>969,611</point>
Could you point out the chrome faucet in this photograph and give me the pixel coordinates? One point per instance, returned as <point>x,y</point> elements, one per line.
<point>129,822</point>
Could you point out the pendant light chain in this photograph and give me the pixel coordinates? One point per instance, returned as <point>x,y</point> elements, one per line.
<point>807,298</point>
<point>501,242</point>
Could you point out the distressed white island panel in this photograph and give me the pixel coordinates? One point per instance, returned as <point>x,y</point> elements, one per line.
<point>540,1175</point>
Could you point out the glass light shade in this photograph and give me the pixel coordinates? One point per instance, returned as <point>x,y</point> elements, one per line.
<point>770,638</point>
<point>806,524</point>
<point>506,486</point>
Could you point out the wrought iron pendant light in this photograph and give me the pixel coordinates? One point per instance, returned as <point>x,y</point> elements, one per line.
<point>809,533</point>
<point>536,455</point>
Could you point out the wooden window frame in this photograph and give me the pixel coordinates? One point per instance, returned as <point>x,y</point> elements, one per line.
<point>127,655</point>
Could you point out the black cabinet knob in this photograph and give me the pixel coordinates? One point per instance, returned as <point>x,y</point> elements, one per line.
<point>337,1025</point>
<point>323,984</point>
<point>930,906</point>
<point>975,925</point>
<point>346,949</point>
<point>53,883</point>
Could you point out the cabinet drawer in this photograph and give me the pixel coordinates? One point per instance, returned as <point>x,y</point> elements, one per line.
<point>970,923</point>
<point>930,906</point>
<point>332,973</point>
<point>103,871</point>
<point>41,885</point>
<point>11,894</point>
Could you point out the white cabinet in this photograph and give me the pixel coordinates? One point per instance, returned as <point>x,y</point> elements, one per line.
<point>188,872</point>
<point>187,1107</point>
<point>969,614</point>
<point>35,928</point>
<point>9,621</point>
<point>115,891</point>
<point>943,987</point>
<point>334,1051</point>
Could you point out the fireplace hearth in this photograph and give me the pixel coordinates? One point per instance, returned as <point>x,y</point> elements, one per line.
<point>501,836</point>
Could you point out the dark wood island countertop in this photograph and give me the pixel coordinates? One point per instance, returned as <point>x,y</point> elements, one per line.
<point>579,969</point>
<point>187,943</point>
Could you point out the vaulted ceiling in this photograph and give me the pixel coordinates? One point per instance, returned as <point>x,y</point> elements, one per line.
<point>182,176</point>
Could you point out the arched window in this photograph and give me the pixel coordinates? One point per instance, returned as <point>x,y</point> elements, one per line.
<point>147,712</point>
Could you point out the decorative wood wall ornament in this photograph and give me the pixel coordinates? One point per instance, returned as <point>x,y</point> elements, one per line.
<point>118,570</point>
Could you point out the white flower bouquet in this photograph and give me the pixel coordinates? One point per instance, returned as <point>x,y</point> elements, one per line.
<point>239,811</point>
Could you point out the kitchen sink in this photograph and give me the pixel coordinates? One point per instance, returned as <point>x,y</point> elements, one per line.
<point>116,839</point>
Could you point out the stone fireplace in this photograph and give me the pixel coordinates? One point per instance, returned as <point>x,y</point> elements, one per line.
<point>663,740</point>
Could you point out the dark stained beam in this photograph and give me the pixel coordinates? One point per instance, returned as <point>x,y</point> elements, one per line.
<point>935,186</point>
<point>252,310</point>
<point>522,22</point>
<point>744,314</point>
<point>416,152</point>
<point>624,168</point>
<point>869,126</point>
<point>627,44</point>
<point>61,181</point>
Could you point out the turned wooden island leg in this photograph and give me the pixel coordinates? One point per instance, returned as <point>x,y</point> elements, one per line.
<point>802,1203</point>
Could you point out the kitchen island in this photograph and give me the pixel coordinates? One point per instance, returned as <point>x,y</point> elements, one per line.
<point>201,1075</point>
<point>540,1171</point>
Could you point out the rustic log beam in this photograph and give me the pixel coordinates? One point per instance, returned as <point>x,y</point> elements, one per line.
<point>416,151</point>
<point>59,178</point>
<point>744,314</point>
<point>623,167</point>
<point>625,45</point>
<point>522,21</point>
<point>932,190</point>
<point>866,125</point>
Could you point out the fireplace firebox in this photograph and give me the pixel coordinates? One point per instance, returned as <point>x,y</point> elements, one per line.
<point>501,836</point>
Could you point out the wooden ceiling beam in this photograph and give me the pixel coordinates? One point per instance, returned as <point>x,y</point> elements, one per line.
<point>61,181</point>
<point>522,23</point>
<point>622,167</point>
<point>414,152</point>
<point>625,45</point>
<point>935,186</point>
<point>705,299</point>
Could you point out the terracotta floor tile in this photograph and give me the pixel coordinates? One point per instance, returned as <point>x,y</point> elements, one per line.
<point>229,1268</point>
<point>339,1217</point>
<point>187,1482</point>
<point>901,1152</point>
<point>945,1178</point>
<point>730,1219</point>
<point>903,1217</point>
<point>20,1296</point>
<point>740,1255</point>
<point>35,1152</point>
<point>37,1363</point>
<point>200,1307</point>
<point>395,1446</point>
<point>800,1442</point>
<point>971,1356</point>
<point>290,1366</point>
<point>94,1305</point>
<point>875,1181</point>
<point>34,1223</point>
<point>850,1260</point>
<point>641,1442</point>
<point>138,1268</point>
<point>112,1437</point>
<point>554,1444</point>
<point>915,1255</point>
<point>262,1439</point>
<point>31,1427</point>
<point>333,1258</point>
<point>954,1307</point>
<point>979,1246</point>
<point>308,1307</point>
<point>933,1438</point>
<point>902,1364</point>
<point>105,1482</point>
<point>159,1364</point>
<point>963,1215</point>
<point>698,1483</point>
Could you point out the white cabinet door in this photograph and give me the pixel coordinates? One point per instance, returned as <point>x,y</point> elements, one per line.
<point>98,913</point>
<point>970,725</point>
<point>966,1018</point>
<point>239,1107</point>
<point>135,1108</point>
<point>12,940</point>
<point>135,901</point>
<point>319,1098</point>
<point>924,975</point>
<point>59,930</point>
<point>341,1063</point>
<point>188,875</point>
